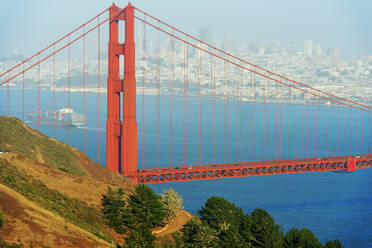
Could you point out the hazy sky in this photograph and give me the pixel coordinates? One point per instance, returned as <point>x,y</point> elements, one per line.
<point>29,25</point>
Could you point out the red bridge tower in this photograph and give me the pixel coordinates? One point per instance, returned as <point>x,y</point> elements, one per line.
<point>121,135</point>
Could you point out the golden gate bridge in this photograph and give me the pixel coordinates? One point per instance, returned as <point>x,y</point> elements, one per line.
<point>274,101</point>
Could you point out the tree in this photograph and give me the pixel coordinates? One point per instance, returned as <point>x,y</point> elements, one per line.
<point>172,202</point>
<point>196,234</point>
<point>114,209</point>
<point>264,230</point>
<point>226,219</point>
<point>140,237</point>
<point>145,207</point>
<point>301,239</point>
<point>220,214</point>
<point>333,244</point>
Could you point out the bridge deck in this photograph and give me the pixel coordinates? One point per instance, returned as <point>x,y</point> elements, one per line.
<point>245,169</point>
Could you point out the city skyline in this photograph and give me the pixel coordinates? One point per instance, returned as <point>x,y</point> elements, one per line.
<point>334,24</point>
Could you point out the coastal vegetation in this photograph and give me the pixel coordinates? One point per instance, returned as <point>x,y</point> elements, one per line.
<point>220,223</point>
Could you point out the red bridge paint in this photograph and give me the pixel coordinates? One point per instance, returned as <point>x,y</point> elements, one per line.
<point>275,167</point>
<point>121,140</point>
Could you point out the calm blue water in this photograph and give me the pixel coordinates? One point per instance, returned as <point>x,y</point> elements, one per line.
<point>332,205</point>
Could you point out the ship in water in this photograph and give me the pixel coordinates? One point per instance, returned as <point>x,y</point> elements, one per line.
<point>61,117</point>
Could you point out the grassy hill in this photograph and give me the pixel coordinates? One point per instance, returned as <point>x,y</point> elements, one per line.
<point>50,193</point>
<point>19,138</point>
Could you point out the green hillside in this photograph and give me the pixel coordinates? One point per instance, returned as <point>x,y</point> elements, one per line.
<point>17,137</point>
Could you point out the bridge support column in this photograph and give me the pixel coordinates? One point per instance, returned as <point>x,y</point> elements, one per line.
<point>121,136</point>
<point>129,127</point>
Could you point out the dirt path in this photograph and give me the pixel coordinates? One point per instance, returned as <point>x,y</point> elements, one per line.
<point>174,224</point>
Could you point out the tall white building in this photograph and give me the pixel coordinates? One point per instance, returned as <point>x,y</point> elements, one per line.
<point>318,51</point>
<point>308,48</point>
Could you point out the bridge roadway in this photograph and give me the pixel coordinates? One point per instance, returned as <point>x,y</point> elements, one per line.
<point>245,169</point>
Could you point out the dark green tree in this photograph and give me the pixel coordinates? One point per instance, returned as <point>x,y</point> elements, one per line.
<point>226,219</point>
<point>113,208</point>
<point>301,239</point>
<point>245,230</point>
<point>140,237</point>
<point>145,207</point>
<point>220,214</point>
<point>264,230</point>
<point>333,244</point>
<point>197,234</point>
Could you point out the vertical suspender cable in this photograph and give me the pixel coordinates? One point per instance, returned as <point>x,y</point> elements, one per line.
<point>158,106</point>
<point>267,120</point>
<point>343,130</point>
<point>306,125</point>
<point>184,103</point>
<point>69,91</point>
<point>351,132</point>
<point>293,126</point>
<point>314,129</point>
<point>84,91</point>
<point>237,116</point>
<point>264,122</point>
<point>362,137</point>
<point>251,121</point>
<point>276,121</point>
<point>211,110</point>
<point>239,120</point>
<point>200,104</point>
<point>326,130</point>
<point>289,124</point>
<point>7,97</point>
<point>241,116</point>
<point>331,149</point>
<point>172,107</point>
<point>144,62</point>
<point>280,128</point>
<point>199,114</point>
<point>214,110</point>
<point>23,95</point>
<point>224,117</point>
<point>54,92</point>
<point>99,91</point>
<point>254,117</point>
<point>338,130</point>
<point>227,115</point>
<point>38,93</point>
<point>302,106</point>
<point>355,122</point>
<point>369,133</point>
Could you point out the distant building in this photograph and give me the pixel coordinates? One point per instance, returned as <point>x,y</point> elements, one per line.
<point>308,48</point>
<point>318,51</point>
<point>334,52</point>
<point>205,34</point>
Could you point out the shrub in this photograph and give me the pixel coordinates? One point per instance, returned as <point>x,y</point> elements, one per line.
<point>196,234</point>
<point>172,202</point>
<point>140,237</point>
<point>333,244</point>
